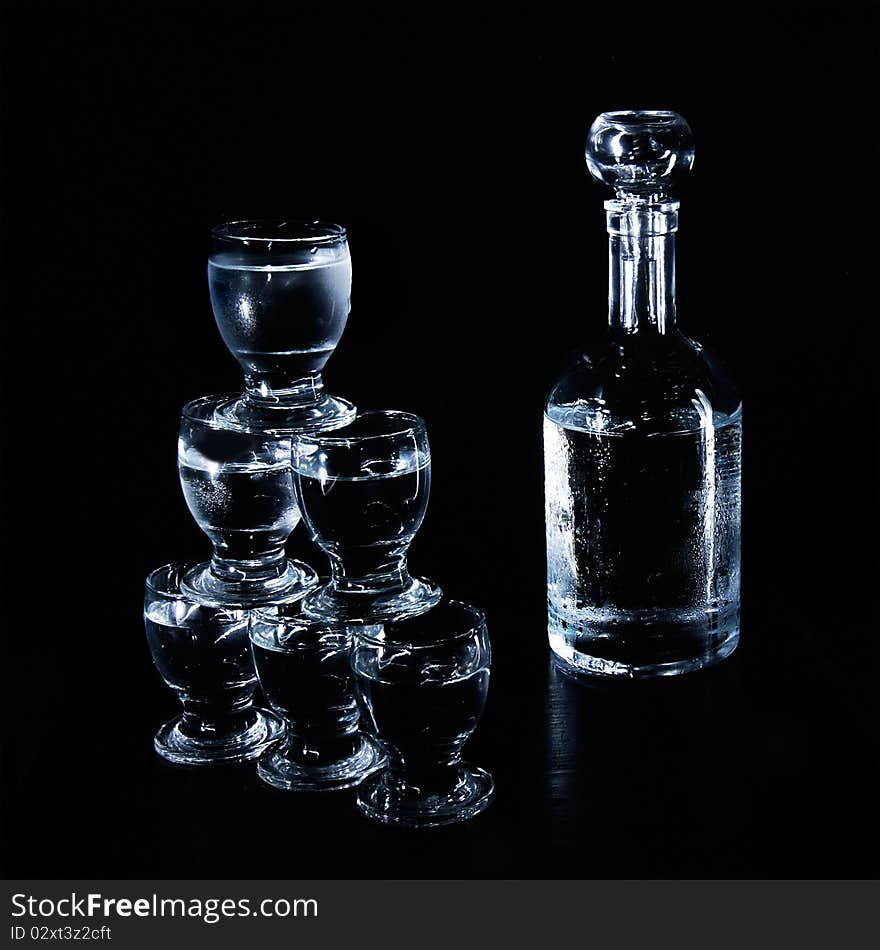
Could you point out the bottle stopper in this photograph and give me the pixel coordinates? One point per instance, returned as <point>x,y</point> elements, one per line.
<point>640,153</point>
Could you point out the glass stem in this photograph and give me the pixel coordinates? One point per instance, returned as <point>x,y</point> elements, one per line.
<point>270,564</point>
<point>227,715</point>
<point>641,271</point>
<point>370,569</point>
<point>278,389</point>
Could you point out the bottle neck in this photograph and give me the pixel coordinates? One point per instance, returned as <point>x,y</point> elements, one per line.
<point>641,265</point>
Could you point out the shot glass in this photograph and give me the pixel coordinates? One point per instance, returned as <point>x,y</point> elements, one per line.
<point>304,668</point>
<point>202,653</point>
<point>281,295</point>
<point>422,683</point>
<point>363,492</point>
<point>238,486</point>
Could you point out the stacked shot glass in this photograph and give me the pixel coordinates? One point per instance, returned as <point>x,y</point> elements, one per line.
<point>374,677</point>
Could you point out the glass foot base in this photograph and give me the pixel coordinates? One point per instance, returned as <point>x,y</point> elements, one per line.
<point>392,802</point>
<point>205,587</point>
<point>327,412</point>
<point>329,603</point>
<point>277,770</point>
<point>173,746</point>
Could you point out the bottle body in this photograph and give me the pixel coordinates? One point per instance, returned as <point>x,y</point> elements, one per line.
<point>642,450</point>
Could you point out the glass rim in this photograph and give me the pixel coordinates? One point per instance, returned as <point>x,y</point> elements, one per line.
<point>215,613</point>
<point>265,616</point>
<point>411,424</point>
<point>170,569</point>
<point>362,634</point>
<point>218,400</point>
<point>661,115</point>
<point>313,232</point>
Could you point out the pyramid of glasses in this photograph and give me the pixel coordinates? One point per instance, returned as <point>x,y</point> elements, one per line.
<point>252,466</point>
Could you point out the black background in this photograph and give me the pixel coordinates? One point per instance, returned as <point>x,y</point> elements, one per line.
<point>453,152</point>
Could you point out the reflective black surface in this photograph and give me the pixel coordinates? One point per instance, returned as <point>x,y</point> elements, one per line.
<point>454,155</point>
<point>733,772</point>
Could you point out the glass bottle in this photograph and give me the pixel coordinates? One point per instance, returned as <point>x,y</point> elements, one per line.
<point>642,444</point>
